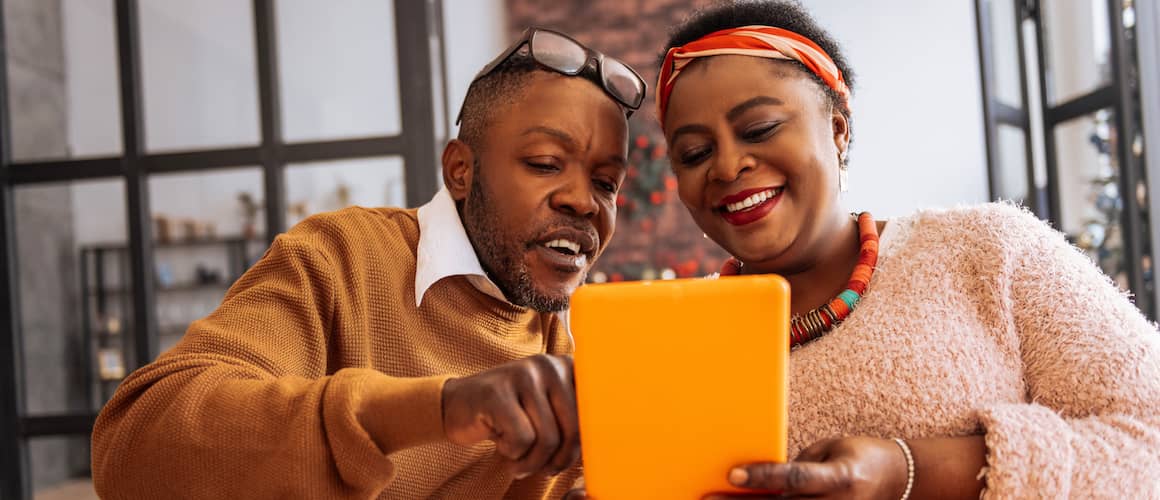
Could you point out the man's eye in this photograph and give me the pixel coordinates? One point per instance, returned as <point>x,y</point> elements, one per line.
<point>542,166</point>
<point>609,187</point>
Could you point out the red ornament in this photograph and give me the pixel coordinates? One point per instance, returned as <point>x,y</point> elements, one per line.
<point>659,152</point>
<point>621,200</point>
<point>616,277</point>
<point>641,141</point>
<point>687,269</point>
<point>694,266</point>
<point>670,183</point>
<point>656,197</point>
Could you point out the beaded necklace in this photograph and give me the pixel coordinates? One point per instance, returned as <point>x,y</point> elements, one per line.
<point>815,323</point>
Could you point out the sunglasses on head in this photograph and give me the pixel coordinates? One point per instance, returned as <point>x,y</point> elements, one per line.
<point>560,53</point>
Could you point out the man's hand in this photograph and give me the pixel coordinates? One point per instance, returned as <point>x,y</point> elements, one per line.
<point>527,407</point>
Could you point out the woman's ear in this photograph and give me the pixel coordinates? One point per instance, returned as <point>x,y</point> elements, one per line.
<point>458,167</point>
<point>841,125</point>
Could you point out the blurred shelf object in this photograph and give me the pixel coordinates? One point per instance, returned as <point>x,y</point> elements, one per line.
<point>107,300</point>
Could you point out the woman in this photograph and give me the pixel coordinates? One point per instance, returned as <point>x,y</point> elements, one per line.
<point>985,353</point>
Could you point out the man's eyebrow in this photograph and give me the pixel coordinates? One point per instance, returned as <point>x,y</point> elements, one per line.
<point>563,136</point>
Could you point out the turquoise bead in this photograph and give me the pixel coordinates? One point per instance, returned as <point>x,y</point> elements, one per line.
<point>850,297</point>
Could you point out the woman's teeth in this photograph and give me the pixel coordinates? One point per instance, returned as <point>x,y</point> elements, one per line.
<point>752,200</point>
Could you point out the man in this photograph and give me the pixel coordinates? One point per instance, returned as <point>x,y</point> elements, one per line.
<point>399,353</point>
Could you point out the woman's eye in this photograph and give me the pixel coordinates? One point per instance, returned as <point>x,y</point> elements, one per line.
<point>694,156</point>
<point>759,132</point>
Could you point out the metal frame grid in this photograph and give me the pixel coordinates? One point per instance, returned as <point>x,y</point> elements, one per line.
<point>418,32</point>
<point>1120,95</point>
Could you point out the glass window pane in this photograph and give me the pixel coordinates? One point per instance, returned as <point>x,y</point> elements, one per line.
<point>339,75</point>
<point>67,240</point>
<point>1005,52</point>
<point>1012,168</point>
<point>60,468</point>
<point>208,229</point>
<point>199,74</point>
<point>1078,47</point>
<point>326,186</point>
<point>469,44</point>
<point>62,79</point>
<point>1090,202</point>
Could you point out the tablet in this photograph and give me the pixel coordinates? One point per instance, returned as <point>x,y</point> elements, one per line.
<point>677,381</point>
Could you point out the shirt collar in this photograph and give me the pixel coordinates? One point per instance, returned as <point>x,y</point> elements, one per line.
<point>444,249</point>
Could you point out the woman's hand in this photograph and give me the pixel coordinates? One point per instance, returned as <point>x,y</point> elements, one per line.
<point>850,468</point>
<point>865,468</point>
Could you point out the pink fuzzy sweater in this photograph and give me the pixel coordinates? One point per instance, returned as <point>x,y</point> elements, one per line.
<point>984,320</point>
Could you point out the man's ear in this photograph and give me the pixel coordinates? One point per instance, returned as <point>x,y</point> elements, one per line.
<point>458,163</point>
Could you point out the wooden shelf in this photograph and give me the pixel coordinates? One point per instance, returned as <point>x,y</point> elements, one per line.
<point>162,331</point>
<point>203,242</point>
<point>180,287</point>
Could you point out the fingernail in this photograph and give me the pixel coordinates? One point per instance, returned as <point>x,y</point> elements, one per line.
<point>523,475</point>
<point>738,476</point>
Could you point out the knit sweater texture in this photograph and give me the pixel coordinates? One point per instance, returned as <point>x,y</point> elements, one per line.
<point>260,398</point>
<point>983,319</point>
<point>977,320</point>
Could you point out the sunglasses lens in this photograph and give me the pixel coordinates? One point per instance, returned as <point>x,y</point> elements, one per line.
<point>558,52</point>
<point>622,83</point>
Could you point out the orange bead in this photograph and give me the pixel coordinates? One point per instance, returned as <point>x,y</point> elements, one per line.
<point>806,327</point>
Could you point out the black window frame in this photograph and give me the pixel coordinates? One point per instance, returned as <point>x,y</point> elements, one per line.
<point>1120,94</point>
<point>421,70</point>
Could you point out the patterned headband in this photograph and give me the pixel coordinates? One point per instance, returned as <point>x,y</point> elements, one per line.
<point>756,41</point>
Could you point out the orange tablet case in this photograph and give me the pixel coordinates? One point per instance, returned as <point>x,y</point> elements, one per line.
<point>677,381</point>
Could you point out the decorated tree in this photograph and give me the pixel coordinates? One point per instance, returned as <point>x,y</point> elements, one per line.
<point>655,236</point>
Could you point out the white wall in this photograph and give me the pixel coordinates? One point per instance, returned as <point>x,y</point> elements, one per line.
<point>918,122</point>
<point>1149,57</point>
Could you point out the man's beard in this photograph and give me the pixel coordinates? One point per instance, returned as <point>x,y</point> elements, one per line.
<point>501,254</point>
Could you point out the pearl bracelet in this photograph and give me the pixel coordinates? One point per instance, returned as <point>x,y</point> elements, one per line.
<point>909,468</point>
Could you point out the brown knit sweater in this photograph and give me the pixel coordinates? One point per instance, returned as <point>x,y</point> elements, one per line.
<point>259,400</point>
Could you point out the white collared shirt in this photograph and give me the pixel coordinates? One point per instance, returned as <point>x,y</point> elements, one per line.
<point>444,249</point>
